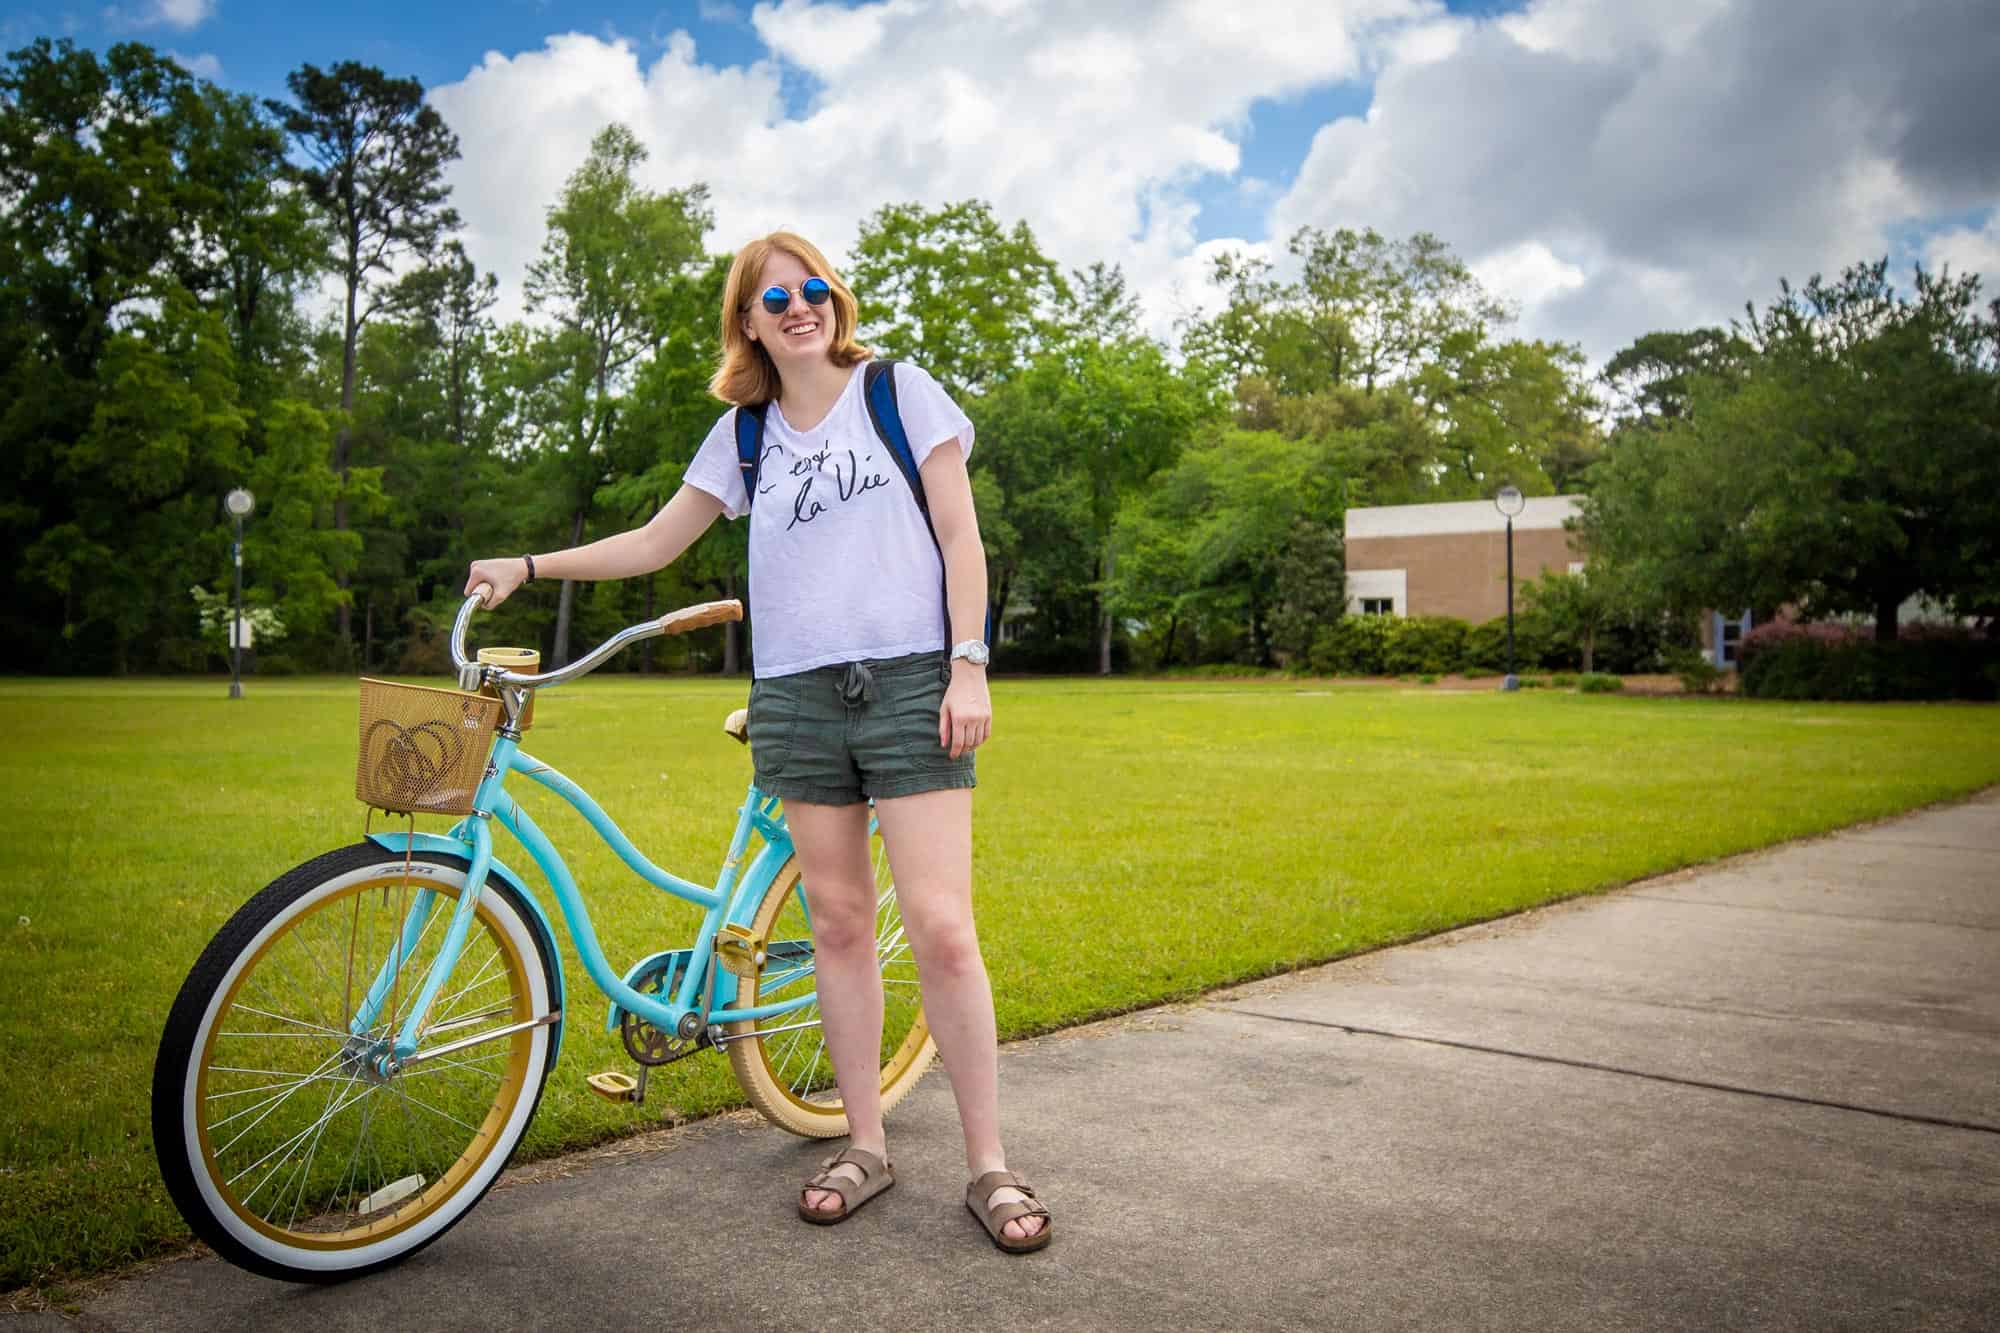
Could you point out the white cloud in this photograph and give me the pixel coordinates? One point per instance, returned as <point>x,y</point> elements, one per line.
<point>1527,275</point>
<point>1969,250</point>
<point>1656,163</point>
<point>203,66</point>
<point>1097,124</point>
<point>1614,167</point>
<point>183,14</point>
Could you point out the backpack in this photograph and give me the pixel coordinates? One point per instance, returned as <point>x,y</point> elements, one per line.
<point>878,391</point>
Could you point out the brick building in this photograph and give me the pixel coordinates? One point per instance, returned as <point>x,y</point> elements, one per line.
<point>1451,559</point>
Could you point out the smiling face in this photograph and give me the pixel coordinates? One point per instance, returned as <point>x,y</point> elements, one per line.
<point>802,331</point>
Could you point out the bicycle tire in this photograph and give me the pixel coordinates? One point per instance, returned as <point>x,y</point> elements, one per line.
<point>407,1177</point>
<point>783,1069</point>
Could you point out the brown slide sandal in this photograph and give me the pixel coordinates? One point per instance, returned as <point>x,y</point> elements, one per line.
<point>998,1215</point>
<point>876,1176</point>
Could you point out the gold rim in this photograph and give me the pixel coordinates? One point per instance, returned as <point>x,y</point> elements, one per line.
<point>302,1142</point>
<point>789,1066</point>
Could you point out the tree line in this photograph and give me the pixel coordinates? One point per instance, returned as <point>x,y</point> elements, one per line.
<point>202,291</point>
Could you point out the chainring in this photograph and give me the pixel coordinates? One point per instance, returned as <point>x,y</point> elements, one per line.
<point>644,1042</point>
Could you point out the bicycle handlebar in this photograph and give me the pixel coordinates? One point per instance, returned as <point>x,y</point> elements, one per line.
<point>674,622</point>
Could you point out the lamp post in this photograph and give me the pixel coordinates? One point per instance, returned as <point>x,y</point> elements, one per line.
<point>239,503</point>
<point>1510,502</point>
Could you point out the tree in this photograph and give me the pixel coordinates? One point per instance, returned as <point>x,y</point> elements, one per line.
<point>1364,311</point>
<point>1397,337</point>
<point>146,344</point>
<point>1654,378</point>
<point>1851,462</point>
<point>1067,440</point>
<point>1232,535</point>
<point>1578,608</point>
<point>612,253</point>
<point>951,289</point>
<point>376,177</point>
<point>666,416</point>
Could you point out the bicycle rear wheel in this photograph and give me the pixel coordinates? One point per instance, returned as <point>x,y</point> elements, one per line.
<point>784,1068</point>
<point>283,1140</point>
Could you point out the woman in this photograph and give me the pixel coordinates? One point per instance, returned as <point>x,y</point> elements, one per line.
<point>857,632</point>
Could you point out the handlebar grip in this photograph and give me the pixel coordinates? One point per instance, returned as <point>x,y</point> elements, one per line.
<point>697,617</point>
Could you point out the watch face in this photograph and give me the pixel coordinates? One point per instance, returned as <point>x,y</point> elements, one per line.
<point>972,651</point>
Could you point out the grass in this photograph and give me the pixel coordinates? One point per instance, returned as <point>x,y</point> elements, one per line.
<point>1136,842</point>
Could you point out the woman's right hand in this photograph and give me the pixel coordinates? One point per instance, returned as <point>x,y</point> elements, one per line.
<point>501,575</point>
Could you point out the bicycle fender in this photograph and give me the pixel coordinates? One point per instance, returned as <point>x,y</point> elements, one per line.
<point>433,842</point>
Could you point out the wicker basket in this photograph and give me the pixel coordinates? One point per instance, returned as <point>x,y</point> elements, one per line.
<point>423,751</point>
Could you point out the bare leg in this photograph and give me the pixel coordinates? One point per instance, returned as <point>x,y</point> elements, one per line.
<point>832,845</point>
<point>929,839</point>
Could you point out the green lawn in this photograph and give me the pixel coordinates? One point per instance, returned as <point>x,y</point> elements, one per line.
<point>1137,842</point>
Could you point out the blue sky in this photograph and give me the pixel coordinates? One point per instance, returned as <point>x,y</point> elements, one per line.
<point>1610,165</point>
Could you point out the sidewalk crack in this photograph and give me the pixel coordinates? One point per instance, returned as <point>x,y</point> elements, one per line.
<point>1909,1117</point>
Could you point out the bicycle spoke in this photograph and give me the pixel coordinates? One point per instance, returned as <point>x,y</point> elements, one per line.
<point>336,1033</point>
<point>361,1136</point>
<point>308,1081</point>
<point>305,1164</point>
<point>296,1138</point>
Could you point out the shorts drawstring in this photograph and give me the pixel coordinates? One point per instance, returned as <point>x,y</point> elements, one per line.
<point>857,685</point>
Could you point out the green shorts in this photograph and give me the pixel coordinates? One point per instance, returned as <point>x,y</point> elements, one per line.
<point>839,735</point>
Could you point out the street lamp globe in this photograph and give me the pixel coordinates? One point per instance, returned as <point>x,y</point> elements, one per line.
<point>239,502</point>
<point>1510,501</point>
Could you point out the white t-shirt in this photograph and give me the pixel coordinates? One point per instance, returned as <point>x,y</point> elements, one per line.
<point>842,567</point>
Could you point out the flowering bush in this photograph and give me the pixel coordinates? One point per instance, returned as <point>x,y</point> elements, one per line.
<point>1791,660</point>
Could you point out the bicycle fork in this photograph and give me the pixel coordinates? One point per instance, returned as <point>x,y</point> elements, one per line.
<point>401,1051</point>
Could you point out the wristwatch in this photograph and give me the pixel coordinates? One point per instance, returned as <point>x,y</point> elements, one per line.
<point>972,650</point>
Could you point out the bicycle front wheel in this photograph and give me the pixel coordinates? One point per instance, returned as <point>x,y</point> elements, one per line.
<point>286,1138</point>
<point>781,1062</point>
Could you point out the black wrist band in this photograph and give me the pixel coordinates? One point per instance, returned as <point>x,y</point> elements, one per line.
<point>531,569</point>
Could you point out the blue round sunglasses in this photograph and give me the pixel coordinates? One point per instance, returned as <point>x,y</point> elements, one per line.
<point>777,299</point>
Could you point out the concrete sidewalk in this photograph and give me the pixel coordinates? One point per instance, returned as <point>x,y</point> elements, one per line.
<point>1765,1095</point>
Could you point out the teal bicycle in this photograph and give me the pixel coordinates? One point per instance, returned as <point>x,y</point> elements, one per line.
<point>358,1051</point>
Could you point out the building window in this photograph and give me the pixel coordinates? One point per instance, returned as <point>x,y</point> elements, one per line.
<point>1729,642</point>
<point>1378,606</point>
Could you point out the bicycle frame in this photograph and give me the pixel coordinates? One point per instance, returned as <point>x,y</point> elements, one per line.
<point>732,900</point>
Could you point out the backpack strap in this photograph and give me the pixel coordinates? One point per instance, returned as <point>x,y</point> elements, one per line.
<point>750,448</point>
<point>878,390</point>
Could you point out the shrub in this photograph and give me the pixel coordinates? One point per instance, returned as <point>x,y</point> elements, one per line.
<point>1562,680</point>
<point>1434,644</point>
<point>1050,655</point>
<point>426,653</point>
<point>1698,674</point>
<point>1833,662</point>
<point>1428,678</point>
<point>1598,682</point>
<point>1352,646</point>
<point>175,654</point>
<point>1486,645</point>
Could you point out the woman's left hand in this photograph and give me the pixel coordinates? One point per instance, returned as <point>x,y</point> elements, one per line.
<point>966,719</point>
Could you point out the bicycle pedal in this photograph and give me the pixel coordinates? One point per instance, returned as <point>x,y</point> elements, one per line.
<point>741,952</point>
<point>614,1085</point>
